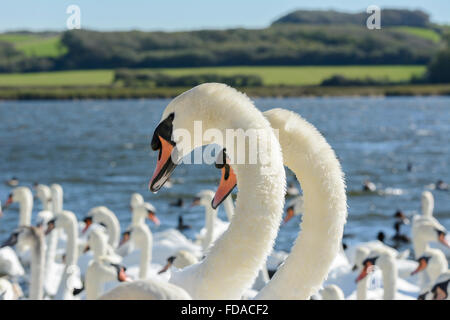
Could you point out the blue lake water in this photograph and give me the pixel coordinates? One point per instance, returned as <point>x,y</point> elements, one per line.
<point>99,152</point>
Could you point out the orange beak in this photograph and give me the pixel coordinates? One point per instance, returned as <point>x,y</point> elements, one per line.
<point>422,265</point>
<point>152,217</point>
<point>125,238</point>
<point>8,202</point>
<point>289,214</point>
<point>123,276</point>
<point>364,272</point>
<point>87,224</point>
<point>164,166</point>
<point>443,240</point>
<point>226,185</point>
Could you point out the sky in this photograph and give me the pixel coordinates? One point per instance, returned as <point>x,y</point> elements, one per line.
<point>170,15</point>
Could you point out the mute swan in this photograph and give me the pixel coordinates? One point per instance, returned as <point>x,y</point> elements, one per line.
<point>126,247</point>
<point>33,238</point>
<point>434,263</point>
<point>100,269</point>
<point>53,271</point>
<point>24,197</point>
<point>70,277</point>
<point>102,215</point>
<point>142,239</point>
<point>181,260</point>
<point>426,232</point>
<point>387,263</point>
<point>233,262</point>
<point>214,227</point>
<point>44,194</point>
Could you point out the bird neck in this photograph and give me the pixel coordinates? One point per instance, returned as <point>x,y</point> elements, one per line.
<point>37,269</point>
<point>389,272</point>
<point>25,207</point>
<point>310,157</point>
<point>210,216</point>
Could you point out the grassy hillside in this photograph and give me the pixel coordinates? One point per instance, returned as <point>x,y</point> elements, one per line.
<point>287,75</point>
<point>36,44</point>
<point>425,33</point>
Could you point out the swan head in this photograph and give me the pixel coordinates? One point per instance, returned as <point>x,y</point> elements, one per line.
<point>43,218</point>
<point>361,254</point>
<point>206,108</point>
<point>121,272</point>
<point>21,195</point>
<point>146,210</point>
<point>43,193</point>
<point>427,203</point>
<point>64,220</point>
<point>97,240</point>
<point>136,200</point>
<point>423,263</point>
<point>429,231</point>
<point>383,260</point>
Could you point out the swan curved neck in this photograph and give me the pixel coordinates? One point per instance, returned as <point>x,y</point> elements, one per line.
<point>229,269</point>
<point>112,227</point>
<point>314,162</point>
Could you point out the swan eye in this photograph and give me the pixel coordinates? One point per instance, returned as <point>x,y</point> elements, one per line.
<point>163,130</point>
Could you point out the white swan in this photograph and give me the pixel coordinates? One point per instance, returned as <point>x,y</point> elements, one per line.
<point>235,259</point>
<point>214,227</point>
<point>102,215</point>
<point>53,271</point>
<point>426,232</point>
<point>33,238</point>
<point>428,218</point>
<point>433,263</point>
<point>142,239</point>
<point>70,277</point>
<point>386,261</point>
<point>100,270</point>
<point>24,197</point>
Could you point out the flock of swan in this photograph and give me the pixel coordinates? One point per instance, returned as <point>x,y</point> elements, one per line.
<point>70,259</point>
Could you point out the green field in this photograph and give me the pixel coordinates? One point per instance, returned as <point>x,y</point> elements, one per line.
<point>429,34</point>
<point>288,75</point>
<point>35,45</point>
